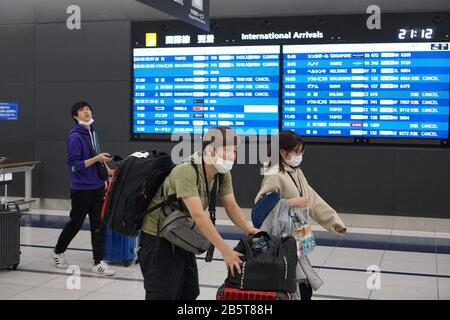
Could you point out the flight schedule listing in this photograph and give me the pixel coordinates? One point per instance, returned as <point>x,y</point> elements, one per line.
<point>382,90</point>
<point>187,90</point>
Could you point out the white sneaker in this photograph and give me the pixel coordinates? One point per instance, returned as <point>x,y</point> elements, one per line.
<point>103,269</point>
<point>59,260</point>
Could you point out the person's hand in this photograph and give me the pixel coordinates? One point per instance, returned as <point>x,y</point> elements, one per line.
<point>2,159</point>
<point>340,229</point>
<point>252,230</point>
<point>110,172</point>
<point>299,202</point>
<point>232,260</point>
<point>104,157</point>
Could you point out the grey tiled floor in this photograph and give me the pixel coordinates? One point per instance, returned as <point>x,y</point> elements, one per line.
<point>404,275</point>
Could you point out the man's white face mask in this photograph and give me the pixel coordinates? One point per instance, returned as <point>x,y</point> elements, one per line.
<point>86,123</point>
<point>223,166</point>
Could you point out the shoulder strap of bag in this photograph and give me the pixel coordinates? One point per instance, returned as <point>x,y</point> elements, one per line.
<point>89,144</point>
<point>212,205</point>
<point>298,187</point>
<point>215,189</point>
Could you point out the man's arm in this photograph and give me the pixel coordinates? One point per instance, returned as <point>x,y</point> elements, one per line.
<point>230,257</point>
<point>234,212</point>
<point>103,157</point>
<point>195,207</point>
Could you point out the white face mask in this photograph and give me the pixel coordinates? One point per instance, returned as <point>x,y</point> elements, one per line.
<point>86,123</point>
<point>294,161</point>
<point>223,166</point>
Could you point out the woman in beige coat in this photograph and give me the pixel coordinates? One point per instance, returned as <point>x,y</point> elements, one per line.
<point>284,176</point>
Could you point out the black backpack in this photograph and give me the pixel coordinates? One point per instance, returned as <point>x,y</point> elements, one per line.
<point>134,185</point>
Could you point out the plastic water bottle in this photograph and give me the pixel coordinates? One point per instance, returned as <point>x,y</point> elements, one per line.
<point>259,245</point>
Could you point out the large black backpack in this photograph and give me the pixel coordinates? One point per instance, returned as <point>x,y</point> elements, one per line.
<point>134,185</point>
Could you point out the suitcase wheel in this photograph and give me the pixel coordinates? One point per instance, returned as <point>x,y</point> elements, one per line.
<point>127,263</point>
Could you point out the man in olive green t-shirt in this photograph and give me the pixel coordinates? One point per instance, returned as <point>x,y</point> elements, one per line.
<point>182,181</point>
<point>170,272</point>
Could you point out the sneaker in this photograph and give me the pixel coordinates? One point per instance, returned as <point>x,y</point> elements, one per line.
<point>103,269</point>
<point>59,260</point>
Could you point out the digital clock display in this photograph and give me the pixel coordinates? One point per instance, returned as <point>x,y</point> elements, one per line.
<point>421,33</point>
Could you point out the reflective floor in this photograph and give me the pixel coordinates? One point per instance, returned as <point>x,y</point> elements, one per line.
<point>413,264</point>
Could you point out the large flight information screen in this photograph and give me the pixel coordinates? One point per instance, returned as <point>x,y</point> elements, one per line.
<point>187,90</point>
<point>380,90</point>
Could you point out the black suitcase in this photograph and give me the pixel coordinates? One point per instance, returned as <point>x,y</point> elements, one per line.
<point>9,236</point>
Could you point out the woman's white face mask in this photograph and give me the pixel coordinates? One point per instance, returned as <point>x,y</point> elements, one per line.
<point>295,160</point>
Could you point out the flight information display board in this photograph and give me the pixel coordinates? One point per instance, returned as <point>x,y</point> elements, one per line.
<point>190,89</point>
<point>374,90</point>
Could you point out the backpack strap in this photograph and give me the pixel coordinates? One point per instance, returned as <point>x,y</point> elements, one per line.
<point>173,199</point>
<point>195,168</point>
<point>89,144</point>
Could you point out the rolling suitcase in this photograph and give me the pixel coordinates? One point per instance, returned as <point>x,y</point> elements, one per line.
<point>229,293</point>
<point>119,248</point>
<point>9,229</point>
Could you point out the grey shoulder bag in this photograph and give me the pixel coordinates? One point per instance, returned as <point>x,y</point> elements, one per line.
<point>181,230</point>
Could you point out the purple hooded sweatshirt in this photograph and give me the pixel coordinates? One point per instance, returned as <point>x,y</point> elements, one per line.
<point>82,178</point>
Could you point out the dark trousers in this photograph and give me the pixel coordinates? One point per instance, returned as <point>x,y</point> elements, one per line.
<point>170,273</point>
<point>85,202</point>
<point>305,291</point>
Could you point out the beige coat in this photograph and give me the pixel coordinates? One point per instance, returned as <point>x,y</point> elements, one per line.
<point>318,209</point>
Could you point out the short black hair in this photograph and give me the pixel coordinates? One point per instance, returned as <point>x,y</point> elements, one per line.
<point>77,106</point>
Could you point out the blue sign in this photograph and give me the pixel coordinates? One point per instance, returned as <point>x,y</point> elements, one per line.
<point>9,111</point>
<point>189,90</point>
<point>390,90</point>
<point>195,12</point>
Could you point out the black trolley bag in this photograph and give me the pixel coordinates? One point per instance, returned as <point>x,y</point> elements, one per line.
<point>9,230</point>
<point>265,275</point>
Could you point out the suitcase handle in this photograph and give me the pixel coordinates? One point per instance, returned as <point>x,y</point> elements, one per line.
<point>6,207</point>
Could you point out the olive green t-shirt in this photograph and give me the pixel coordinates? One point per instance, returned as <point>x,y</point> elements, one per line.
<point>182,181</point>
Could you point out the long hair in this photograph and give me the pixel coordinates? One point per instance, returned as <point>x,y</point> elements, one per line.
<point>288,141</point>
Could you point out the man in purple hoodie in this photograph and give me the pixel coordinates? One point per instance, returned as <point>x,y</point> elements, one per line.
<point>87,188</point>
